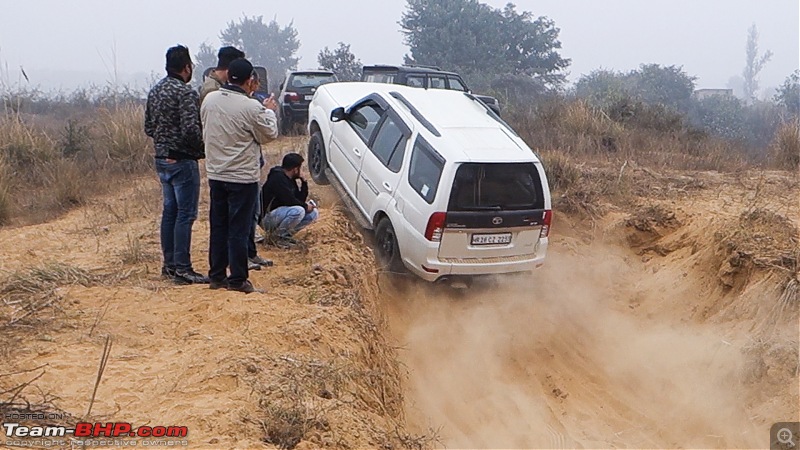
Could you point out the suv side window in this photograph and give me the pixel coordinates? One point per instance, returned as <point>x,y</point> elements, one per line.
<point>456,84</point>
<point>425,170</point>
<point>415,81</point>
<point>390,144</point>
<point>364,118</point>
<point>436,82</point>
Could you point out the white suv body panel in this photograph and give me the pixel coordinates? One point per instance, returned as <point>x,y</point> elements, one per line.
<point>461,132</point>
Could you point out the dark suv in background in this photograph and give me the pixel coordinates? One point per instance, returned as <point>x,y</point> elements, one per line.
<point>424,77</point>
<point>297,89</point>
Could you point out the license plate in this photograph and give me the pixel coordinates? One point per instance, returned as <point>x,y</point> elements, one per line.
<point>309,97</point>
<point>489,239</point>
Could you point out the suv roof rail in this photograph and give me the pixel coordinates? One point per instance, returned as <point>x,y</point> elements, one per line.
<point>415,112</point>
<point>424,66</point>
<point>491,112</point>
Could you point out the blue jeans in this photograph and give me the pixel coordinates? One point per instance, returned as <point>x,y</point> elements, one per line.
<point>285,221</point>
<point>231,220</point>
<point>180,185</point>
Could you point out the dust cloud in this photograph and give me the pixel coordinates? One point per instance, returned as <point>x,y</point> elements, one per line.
<point>565,358</point>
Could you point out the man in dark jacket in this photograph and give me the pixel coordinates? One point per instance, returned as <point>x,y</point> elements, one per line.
<point>172,119</point>
<point>284,205</point>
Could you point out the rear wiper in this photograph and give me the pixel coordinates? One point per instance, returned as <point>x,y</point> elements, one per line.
<point>484,208</point>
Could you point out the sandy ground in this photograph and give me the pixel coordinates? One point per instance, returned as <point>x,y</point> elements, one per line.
<point>647,328</point>
<point>610,346</point>
<point>305,363</point>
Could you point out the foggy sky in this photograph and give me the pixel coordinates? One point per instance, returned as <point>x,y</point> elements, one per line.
<point>63,44</point>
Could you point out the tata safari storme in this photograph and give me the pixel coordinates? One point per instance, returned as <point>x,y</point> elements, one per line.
<point>449,189</point>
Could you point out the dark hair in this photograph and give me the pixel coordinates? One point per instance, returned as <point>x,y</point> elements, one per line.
<point>292,160</point>
<point>226,55</point>
<point>177,58</point>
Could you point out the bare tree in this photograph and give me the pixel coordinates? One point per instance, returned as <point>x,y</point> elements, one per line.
<point>754,64</point>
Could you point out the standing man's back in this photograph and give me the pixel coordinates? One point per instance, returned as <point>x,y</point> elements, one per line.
<point>234,127</point>
<point>172,119</point>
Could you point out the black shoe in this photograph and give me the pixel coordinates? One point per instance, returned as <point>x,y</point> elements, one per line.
<point>218,284</point>
<point>260,261</point>
<point>246,287</point>
<point>285,242</point>
<point>253,266</point>
<point>168,272</point>
<point>190,277</point>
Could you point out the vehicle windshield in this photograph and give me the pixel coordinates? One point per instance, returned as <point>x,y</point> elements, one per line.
<point>308,80</point>
<point>496,187</point>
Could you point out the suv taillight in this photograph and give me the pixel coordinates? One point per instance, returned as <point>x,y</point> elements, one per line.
<point>433,232</point>
<point>291,97</point>
<point>548,216</point>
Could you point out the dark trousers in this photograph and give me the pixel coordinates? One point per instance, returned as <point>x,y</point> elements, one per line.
<point>252,251</point>
<point>231,220</point>
<point>180,186</point>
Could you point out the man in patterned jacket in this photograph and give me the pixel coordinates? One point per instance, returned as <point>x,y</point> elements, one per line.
<point>172,119</point>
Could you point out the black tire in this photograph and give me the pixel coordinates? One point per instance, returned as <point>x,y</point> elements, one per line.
<point>317,162</point>
<point>388,250</point>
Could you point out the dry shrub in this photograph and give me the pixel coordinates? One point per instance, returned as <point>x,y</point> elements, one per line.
<point>6,200</point>
<point>23,146</point>
<point>67,184</point>
<point>561,172</point>
<point>786,145</point>
<point>580,131</point>
<point>42,177</point>
<point>122,140</point>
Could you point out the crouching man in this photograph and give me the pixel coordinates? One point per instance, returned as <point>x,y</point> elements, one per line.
<point>285,206</point>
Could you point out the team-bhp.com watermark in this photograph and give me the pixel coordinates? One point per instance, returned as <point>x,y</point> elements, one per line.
<point>86,434</point>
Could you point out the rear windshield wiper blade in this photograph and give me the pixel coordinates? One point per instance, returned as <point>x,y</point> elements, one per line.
<point>483,208</point>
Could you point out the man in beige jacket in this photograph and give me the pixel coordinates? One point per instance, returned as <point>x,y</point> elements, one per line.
<point>234,127</point>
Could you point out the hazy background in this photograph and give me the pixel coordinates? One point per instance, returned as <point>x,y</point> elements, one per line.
<point>66,44</point>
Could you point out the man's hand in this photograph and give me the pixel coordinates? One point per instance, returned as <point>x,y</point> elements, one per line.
<point>309,207</point>
<point>270,103</point>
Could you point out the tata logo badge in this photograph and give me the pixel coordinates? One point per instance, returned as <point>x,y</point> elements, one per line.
<point>497,220</point>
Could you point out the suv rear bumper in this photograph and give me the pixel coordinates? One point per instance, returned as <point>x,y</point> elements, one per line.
<point>297,112</point>
<point>434,267</point>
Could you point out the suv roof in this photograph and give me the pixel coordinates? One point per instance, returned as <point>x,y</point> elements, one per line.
<point>408,69</point>
<point>468,128</point>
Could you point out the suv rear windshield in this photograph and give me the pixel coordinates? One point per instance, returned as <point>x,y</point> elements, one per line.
<point>379,77</point>
<point>308,80</point>
<point>496,187</point>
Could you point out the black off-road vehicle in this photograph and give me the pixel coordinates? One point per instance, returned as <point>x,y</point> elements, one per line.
<point>426,77</point>
<point>297,89</point>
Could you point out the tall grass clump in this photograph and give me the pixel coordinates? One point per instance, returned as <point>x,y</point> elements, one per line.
<point>6,201</point>
<point>121,139</point>
<point>786,145</point>
<point>58,151</point>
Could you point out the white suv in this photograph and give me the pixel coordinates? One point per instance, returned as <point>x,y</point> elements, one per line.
<point>449,188</point>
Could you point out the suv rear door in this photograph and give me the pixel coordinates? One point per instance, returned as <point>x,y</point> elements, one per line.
<point>495,210</point>
<point>380,170</point>
<point>349,139</point>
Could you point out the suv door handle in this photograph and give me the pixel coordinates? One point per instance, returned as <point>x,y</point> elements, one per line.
<point>357,152</point>
<point>387,186</point>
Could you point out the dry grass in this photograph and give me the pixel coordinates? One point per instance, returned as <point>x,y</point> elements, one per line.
<point>786,146</point>
<point>135,252</point>
<point>43,176</point>
<point>6,201</point>
<point>580,132</point>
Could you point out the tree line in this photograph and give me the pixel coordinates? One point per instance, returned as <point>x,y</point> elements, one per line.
<point>516,56</point>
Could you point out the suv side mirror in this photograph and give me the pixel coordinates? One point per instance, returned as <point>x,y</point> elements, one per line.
<point>338,114</point>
